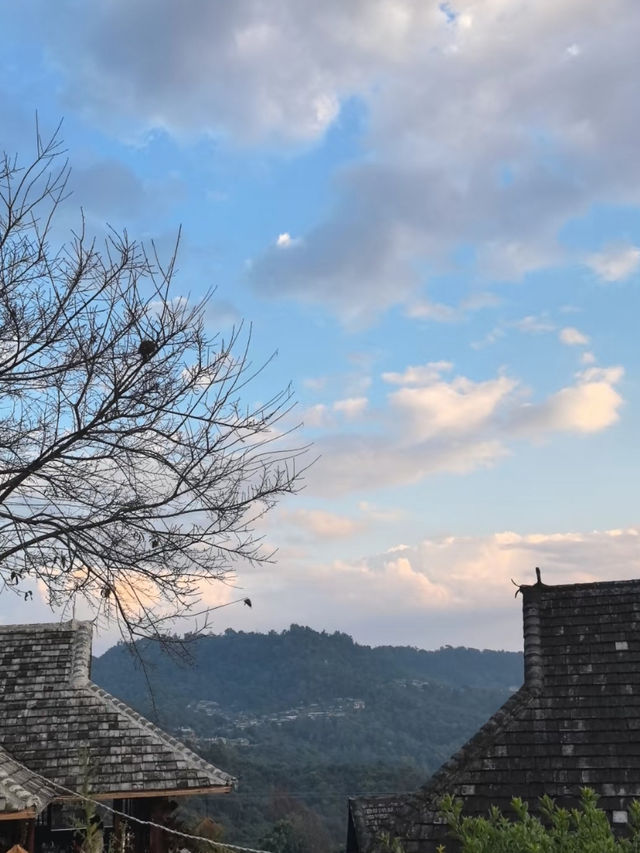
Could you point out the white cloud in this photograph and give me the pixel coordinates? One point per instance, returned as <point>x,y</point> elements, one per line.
<point>572,337</point>
<point>490,338</point>
<point>255,71</point>
<point>616,263</point>
<point>323,416</point>
<point>423,309</point>
<point>365,462</point>
<point>440,590</point>
<point>498,98</point>
<point>533,325</point>
<point>351,407</point>
<point>378,514</point>
<point>321,524</point>
<point>423,374</point>
<point>494,129</point>
<point>315,383</point>
<point>511,260</point>
<point>591,405</point>
<point>430,425</point>
<point>610,375</point>
<point>317,417</point>
<point>448,589</point>
<point>286,241</point>
<point>444,408</point>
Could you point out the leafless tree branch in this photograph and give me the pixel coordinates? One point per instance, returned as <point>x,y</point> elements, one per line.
<point>130,470</point>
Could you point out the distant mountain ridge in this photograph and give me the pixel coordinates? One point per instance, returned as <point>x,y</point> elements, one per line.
<point>267,672</point>
<point>305,719</point>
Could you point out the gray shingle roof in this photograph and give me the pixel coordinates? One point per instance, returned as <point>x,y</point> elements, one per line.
<point>20,789</point>
<point>575,723</point>
<point>368,816</point>
<point>57,723</point>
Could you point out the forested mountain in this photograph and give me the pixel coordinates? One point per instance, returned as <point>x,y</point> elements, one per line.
<point>305,719</point>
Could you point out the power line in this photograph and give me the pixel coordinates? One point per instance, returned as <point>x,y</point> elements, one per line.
<point>235,796</point>
<point>130,818</point>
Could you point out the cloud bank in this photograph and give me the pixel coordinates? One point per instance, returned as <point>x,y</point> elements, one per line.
<point>453,589</point>
<point>447,590</point>
<point>485,122</point>
<point>434,422</point>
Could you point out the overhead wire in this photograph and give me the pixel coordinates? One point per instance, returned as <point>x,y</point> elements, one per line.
<point>235,796</point>
<point>189,836</point>
<point>130,818</point>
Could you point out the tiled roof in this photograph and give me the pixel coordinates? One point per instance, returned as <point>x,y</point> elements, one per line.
<point>21,790</point>
<point>368,816</point>
<point>575,723</point>
<point>57,723</point>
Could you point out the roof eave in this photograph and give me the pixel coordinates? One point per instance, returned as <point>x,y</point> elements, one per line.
<point>149,793</point>
<point>24,814</point>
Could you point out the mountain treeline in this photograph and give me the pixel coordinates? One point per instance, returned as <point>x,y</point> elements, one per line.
<point>305,719</point>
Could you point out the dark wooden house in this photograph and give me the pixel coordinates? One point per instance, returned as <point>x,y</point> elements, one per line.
<point>574,723</point>
<point>61,735</point>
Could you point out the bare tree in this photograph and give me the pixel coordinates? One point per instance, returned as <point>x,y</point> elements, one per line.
<point>130,471</point>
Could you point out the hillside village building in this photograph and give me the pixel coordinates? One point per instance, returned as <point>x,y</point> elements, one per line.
<point>61,735</point>
<point>575,723</point>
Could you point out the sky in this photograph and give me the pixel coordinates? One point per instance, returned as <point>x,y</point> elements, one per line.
<point>431,213</point>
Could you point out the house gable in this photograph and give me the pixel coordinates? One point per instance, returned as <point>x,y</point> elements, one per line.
<point>66,730</point>
<point>575,723</point>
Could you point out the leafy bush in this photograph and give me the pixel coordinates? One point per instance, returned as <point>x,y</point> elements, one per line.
<point>580,830</point>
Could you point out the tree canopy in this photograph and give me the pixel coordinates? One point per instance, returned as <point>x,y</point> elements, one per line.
<point>131,471</point>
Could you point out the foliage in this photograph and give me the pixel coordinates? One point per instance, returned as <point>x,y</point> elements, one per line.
<point>281,838</point>
<point>300,832</point>
<point>268,672</point>
<point>558,830</point>
<point>130,471</point>
<point>88,824</point>
<point>387,844</point>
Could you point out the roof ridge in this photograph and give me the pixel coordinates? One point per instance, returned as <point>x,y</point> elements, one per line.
<point>551,587</point>
<point>444,778</point>
<point>37,627</point>
<point>80,652</point>
<point>516,703</point>
<point>187,754</point>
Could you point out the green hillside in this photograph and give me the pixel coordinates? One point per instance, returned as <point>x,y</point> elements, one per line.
<point>305,719</point>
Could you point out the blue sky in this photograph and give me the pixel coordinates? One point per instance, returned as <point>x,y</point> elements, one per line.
<point>432,212</point>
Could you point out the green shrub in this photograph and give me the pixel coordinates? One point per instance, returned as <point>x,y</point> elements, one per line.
<point>585,829</point>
